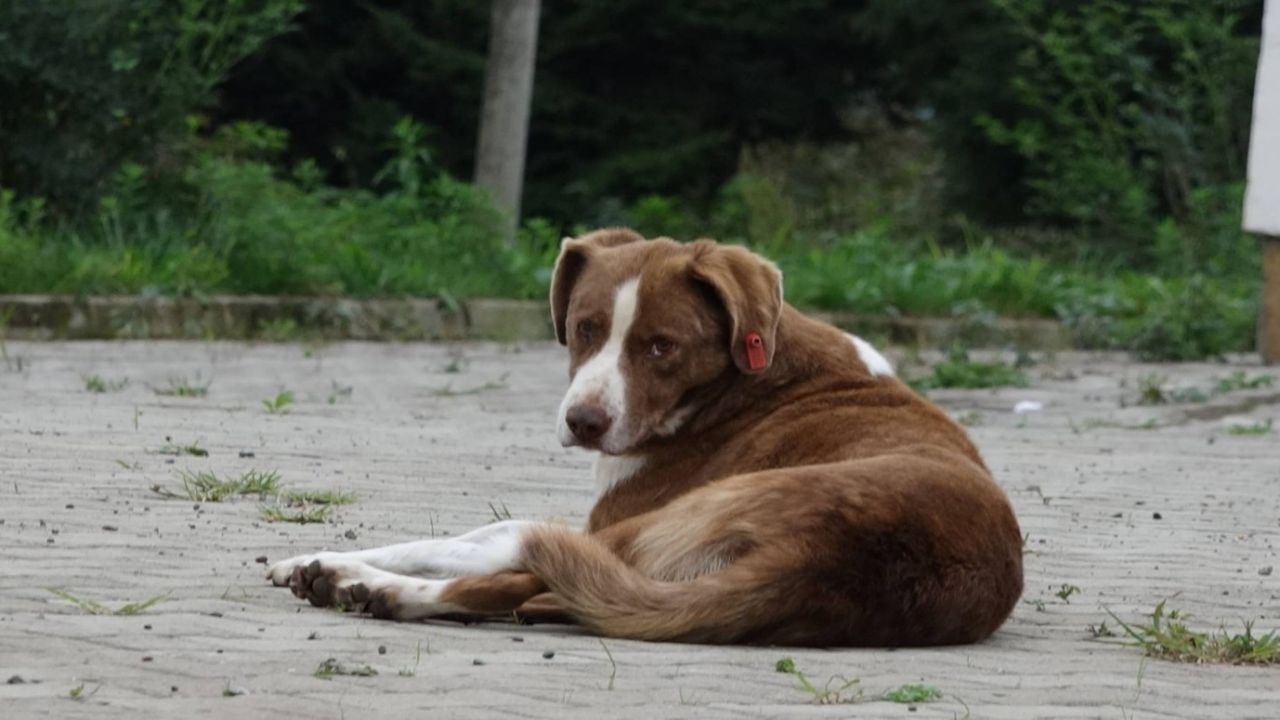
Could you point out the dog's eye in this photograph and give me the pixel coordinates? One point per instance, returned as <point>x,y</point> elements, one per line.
<point>661,347</point>
<point>586,330</point>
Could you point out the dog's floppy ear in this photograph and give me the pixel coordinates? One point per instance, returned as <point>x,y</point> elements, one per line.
<point>750,288</point>
<point>574,253</point>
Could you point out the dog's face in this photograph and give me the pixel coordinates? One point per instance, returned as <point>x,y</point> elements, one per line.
<point>647,323</point>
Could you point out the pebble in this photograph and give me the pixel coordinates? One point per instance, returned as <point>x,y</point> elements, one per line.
<point>349,534</point>
<point>382,649</point>
<point>1264,571</point>
<point>477,661</point>
<point>16,680</point>
<point>548,654</point>
<point>110,528</point>
<point>261,559</point>
<point>1157,516</point>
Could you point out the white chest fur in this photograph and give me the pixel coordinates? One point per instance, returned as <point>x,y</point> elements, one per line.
<point>611,470</point>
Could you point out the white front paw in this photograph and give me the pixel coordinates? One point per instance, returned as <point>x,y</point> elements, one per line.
<point>279,573</point>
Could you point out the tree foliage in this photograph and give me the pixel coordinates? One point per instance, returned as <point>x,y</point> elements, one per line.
<point>91,84</point>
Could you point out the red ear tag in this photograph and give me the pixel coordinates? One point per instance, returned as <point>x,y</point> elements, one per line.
<point>755,351</point>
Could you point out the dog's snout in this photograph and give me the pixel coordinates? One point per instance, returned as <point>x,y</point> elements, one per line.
<point>588,423</point>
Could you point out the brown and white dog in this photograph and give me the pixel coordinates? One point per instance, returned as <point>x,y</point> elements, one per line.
<point>765,479</point>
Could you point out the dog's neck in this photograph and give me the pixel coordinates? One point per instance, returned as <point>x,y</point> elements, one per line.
<point>809,356</point>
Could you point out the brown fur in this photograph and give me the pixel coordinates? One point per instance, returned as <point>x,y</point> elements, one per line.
<point>811,503</point>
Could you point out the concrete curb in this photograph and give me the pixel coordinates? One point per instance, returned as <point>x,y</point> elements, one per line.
<point>245,317</point>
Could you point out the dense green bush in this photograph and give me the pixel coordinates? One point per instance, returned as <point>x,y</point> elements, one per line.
<point>91,84</point>
<point>1126,111</point>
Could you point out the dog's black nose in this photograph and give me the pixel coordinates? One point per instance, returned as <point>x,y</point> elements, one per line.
<point>588,423</point>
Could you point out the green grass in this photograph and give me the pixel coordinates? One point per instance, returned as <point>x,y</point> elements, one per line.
<point>184,387</point>
<point>958,371</point>
<point>911,694</point>
<point>95,608</point>
<point>279,404</point>
<point>318,497</point>
<point>1165,635</point>
<point>304,507</point>
<point>833,692</point>
<point>99,384</point>
<point>1257,428</point>
<point>204,486</point>
<point>303,515</point>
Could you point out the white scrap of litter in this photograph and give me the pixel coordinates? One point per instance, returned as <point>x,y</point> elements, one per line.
<point>1028,406</point>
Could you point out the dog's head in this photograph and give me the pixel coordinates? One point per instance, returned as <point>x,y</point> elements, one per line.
<point>648,323</point>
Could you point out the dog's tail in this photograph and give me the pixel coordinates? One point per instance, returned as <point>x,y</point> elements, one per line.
<point>602,592</point>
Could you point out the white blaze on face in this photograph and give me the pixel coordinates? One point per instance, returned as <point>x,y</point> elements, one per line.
<point>600,380</point>
<point>876,363</point>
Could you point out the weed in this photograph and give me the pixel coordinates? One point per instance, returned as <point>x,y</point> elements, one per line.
<point>1167,636</point>
<point>172,448</point>
<point>76,692</point>
<point>1151,389</point>
<point>279,404</point>
<point>98,384</point>
<point>914,693</point>
<point>1258,428</point>
<point>205,486</point>
<point>500,515</point>
<point>448,391</point>
<point>958,371</point>
<point>1101,630</point>
<point>613,666</point>
<point>827,695</point>
<point>1096,423</point>
<point>331,667</point>
<point>340,392</point>
<point>305,515</point>
<point>417,658</point>
<point>457,361</point>
<point>183,387</point>
<point>1238,380</point>
<point>973,418</point>
<point>94,608</point>
<point>1065,592</point>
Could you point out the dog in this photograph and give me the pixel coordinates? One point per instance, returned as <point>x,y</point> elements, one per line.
<point>764,479</point>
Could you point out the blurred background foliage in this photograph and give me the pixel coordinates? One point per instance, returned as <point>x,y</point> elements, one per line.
<point>1074,159</point>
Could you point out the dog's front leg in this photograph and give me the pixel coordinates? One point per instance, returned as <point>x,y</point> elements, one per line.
<point>482,551</point>
<point>397,571</point>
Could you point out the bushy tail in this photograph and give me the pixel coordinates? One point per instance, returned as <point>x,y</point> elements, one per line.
<point>614,599</point>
